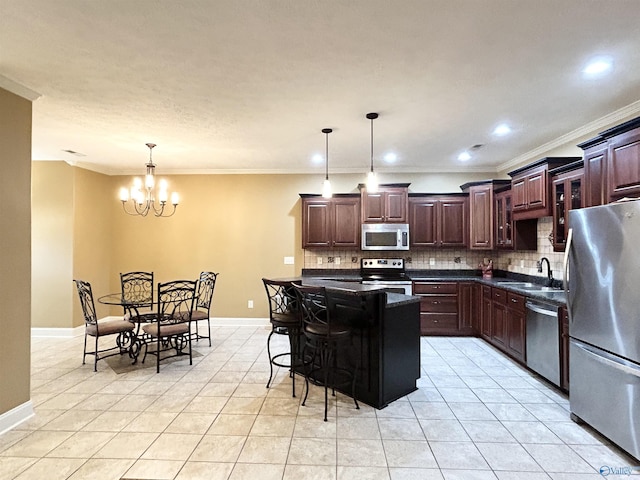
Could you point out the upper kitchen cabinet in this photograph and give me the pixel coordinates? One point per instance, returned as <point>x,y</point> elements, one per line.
<point>388,205</point>
<point>530,187</point>
<point>331,223</point>
<point>509,234</point>
<point>438,220</point>
<point>566,192</point>
<point>481,212</point>
<point>612,164</point>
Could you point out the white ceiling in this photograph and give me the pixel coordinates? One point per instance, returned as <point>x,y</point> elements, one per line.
<point>247,85</point>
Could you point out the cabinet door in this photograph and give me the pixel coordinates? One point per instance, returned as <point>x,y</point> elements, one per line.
<point>516,318</point>
<point>373,208</point>
<point>536,188</point>
<point>518,193</point>
<point>453,223</point>
<point>499,324</point>
<point>595,174</point>
<point>316,223</point>
<point>396,205</point>
<point>423,222</point>
<point>346,223</point>
<point>481,217</point>
<point>624,165</point>
<point>487,310</point>
<point>468,307</point>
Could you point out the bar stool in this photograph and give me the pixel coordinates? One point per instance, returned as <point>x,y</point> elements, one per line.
<point>285,319</point>
<point>325,336</point>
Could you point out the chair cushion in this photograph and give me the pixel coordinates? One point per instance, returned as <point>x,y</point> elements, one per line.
<point>322,330</point>
<point>199,315</point>
<point>110,327</point>
<point>166,330</point>
<point>285,319</point>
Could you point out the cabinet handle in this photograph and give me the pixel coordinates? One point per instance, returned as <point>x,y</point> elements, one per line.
<point>514,300</point>
<point>436,302</point>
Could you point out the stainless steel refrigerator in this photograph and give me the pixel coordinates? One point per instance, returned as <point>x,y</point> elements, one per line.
<point>603,299</point>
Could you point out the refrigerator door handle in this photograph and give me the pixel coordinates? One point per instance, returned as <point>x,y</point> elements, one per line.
<point>565,275</point>
<point>608,359</point>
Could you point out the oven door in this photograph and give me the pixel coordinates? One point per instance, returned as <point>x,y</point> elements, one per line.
<point>403,287</point>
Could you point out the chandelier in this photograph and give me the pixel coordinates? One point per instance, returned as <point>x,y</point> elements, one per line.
<point>142,198</point>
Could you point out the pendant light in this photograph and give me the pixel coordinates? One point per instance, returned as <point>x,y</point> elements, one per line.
<point>372,180</point>
<point>326,186</point>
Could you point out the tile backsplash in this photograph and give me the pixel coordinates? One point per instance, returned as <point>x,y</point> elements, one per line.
<point>452,259</point>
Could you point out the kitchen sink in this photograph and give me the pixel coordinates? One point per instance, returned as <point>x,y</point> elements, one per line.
<point>531,287</point>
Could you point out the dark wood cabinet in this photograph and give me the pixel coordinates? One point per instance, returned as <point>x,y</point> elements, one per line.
<point>623,169</point>
<point>438,307</point>
<point>331,223</point>
<point>469,308</point>
<point>516,324</point>
<point>612,164</point>
<point>487,307</point>
<point>566,192</point>
<point>530,187</point>
<point>388,205</point>
<point>499,317</point>
<point>509,234</point>
<point>438,221</point>
<point>564,348</point>
<point>481,217</point>
<point>595,173</point>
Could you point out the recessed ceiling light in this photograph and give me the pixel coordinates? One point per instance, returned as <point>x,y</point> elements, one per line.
<point>390,157</point>
<point>598,66</point>
<point>317,158</point>
<point>502,130</point>
<point>464,156</point>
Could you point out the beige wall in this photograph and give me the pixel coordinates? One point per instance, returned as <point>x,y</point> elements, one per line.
<point>52,244</point>
<point>15,250</point>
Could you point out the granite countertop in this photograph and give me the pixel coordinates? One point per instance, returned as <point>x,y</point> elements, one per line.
<point>506,280</point>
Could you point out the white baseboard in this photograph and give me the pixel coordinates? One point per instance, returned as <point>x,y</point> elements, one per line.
<point>58,332</point>
<point>16,416</point>
<point>215,321</point>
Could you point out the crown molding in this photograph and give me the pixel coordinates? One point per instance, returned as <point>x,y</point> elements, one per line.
<point>18,89</point>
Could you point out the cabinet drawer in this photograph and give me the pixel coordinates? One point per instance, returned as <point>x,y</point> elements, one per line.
<point>435,288</point>
<point>438,304</point>
<point>515,301</point>
<point>439,321</point>
<point>499,295</point>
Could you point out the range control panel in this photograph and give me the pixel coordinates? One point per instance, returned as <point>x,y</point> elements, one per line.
<point>383,263</point>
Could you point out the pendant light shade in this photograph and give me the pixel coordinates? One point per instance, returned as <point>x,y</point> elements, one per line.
<point>372,179</point>
<point>326,186</point>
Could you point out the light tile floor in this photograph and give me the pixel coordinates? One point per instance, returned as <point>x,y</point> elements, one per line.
<point>476,416</point>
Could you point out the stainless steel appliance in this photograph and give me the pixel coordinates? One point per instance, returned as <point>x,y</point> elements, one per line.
<point>543,340</point>
<point>387,273</point>
<point>602,265</point>
<point>385,236</point>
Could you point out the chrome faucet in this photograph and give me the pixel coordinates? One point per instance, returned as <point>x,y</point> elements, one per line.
<point>549,272</point>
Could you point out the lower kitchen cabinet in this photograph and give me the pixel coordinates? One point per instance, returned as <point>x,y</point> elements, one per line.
<point>448,308</point>
<point>485,318</point>
<point>438,307</point>
<point>504,321</point>
<point>469,316</point>
<point>516,318</point>
<point>499,317</point>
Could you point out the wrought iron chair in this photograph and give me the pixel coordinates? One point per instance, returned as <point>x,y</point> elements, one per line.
<point>325,337</point>
<point>125,337</point>
<point>206,284</point>
<point>137,288</point>
<point>285,320</point>
<point>171,328</point>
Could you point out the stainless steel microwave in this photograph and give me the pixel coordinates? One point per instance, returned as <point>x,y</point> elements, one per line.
<point>385,236</point>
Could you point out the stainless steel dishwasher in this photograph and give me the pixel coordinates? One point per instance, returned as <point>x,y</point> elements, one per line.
<point>543,339</point>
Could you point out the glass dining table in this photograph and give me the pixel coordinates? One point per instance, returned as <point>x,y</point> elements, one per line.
<point>138,311</point>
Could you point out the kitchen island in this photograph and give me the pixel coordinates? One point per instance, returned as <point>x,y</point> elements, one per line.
<point>386,338</point>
